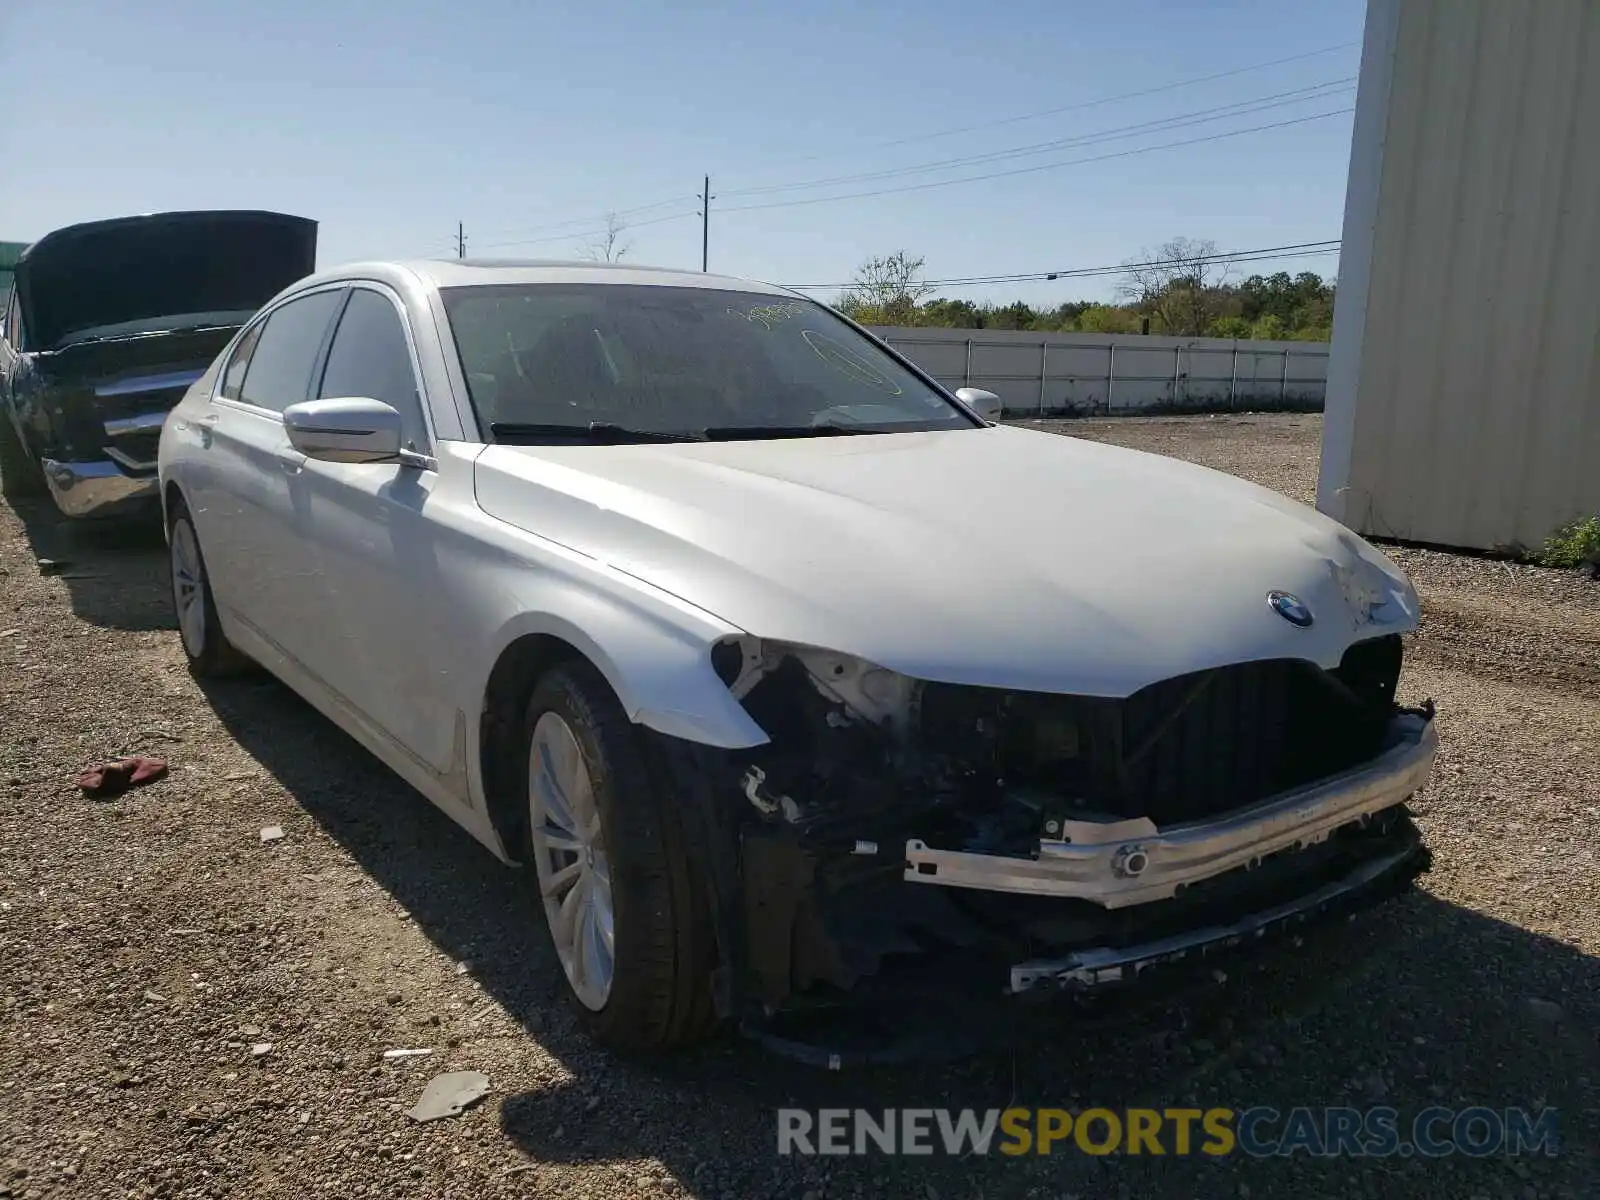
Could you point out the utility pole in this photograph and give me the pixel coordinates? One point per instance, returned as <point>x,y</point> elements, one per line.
<point>461,240</point>
<point>705,223</point>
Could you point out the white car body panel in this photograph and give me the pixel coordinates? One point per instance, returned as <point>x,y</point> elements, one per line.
<point>999,557</point>
<point>475,585</point>
<point>386,594</point>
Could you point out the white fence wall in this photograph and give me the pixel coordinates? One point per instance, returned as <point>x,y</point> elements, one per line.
<point>1078,373</point>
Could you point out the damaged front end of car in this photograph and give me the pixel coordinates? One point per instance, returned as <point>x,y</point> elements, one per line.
<point>902,840</point>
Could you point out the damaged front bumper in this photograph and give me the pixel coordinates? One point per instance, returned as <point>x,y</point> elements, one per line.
<point>1119,863</point>
<point>101,488</point>
<point>901,851</point>
<point>1093,969</point>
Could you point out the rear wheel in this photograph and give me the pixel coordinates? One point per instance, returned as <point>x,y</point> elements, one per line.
<point>625,910</point>
<point>19,474</point>
<point>207,648</point>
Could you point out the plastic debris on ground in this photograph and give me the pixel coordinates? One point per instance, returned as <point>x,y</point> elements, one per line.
<point>450,1095</point>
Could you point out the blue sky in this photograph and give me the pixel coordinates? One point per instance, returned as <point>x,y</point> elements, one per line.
<point>390,120</point>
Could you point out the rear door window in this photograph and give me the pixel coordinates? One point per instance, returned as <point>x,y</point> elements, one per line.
<point>279,371</point>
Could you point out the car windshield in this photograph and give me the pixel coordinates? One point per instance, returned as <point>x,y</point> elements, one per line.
<point>614,362</point>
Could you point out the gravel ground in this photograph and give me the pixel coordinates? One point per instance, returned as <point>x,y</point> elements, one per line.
<point>188,1011</point>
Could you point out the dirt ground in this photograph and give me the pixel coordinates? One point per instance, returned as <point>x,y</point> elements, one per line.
<point>188,1011</point>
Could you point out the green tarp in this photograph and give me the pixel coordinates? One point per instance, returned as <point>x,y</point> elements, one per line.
<point>9,253</point>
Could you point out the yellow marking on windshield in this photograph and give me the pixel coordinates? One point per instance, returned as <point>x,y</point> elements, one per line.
<point>770,315</point>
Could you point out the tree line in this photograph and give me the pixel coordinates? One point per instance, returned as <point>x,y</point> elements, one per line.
<point>1182,289</point>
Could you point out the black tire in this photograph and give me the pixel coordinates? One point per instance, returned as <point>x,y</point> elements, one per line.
<point>20,475</point>
<point>665,952</point>
<point>211,655</point>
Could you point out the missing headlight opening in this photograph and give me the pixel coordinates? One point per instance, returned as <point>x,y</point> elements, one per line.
<point>977,839</point>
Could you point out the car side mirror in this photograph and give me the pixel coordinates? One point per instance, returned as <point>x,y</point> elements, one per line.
<point>986,404</point>
<point>345,429</point>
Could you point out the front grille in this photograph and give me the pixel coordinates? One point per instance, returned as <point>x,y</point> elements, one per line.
<point>1195,744</point>
<point>135,450</point>
<point>1181,749</point>
<point>123,405</point>
<point>1203,744</point>
<point>130,423</point>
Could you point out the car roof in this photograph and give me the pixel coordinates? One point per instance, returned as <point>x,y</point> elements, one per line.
<point>459,272</point>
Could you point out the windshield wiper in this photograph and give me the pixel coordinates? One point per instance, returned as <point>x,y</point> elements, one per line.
<point>734,433</point>
<point>602,432</point>
<point>607,433</point>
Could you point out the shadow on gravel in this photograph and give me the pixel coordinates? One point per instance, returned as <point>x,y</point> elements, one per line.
<point>1419,1004</point>
<point>115,571</point>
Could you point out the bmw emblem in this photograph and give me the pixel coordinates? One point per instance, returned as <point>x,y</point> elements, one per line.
<point>1291,608</point>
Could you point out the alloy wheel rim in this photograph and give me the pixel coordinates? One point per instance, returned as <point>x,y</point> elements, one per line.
<point>574,871</point>
<point>188,589</point>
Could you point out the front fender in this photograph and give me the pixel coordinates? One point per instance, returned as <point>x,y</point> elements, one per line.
<point>661,674</point>
<point>653,648</point>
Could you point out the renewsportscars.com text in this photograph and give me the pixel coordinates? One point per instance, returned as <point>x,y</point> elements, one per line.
<point>1259,1131</point>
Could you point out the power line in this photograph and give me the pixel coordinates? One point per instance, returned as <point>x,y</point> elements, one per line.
<point>1320,91</point>
<point>1077,107</point>
<point>577,233</point>
<point>1084,272</point>
<point>587,223</point>
<point>1071,162</point>
<point>1261,254</point>
<point>1174,122</point>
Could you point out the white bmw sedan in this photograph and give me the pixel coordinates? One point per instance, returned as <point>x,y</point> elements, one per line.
<point>793,678</point>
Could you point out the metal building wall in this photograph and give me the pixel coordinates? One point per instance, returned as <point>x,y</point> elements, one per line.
<point>1463,399</point>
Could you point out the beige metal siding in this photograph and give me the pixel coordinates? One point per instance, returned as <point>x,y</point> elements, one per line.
<point>1464,388</point>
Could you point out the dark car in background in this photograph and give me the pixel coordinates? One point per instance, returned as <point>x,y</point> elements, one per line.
<point>107,324</point>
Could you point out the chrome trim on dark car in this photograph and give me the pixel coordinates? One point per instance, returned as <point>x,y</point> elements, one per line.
<point>97,489</point>
<point>138,423</point>
<point>128,462</point>
<point>149,383</point>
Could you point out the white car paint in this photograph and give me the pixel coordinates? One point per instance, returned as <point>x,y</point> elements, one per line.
<point>1000,557</point>
<point>385,593</point>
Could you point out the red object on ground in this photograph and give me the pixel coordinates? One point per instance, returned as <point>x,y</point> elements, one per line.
<point>115,777</point>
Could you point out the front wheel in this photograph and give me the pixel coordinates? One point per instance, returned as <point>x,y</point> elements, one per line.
<point>624,908</point>
<point>207,648</point>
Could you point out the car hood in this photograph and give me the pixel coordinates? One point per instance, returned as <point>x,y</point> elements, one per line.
<point>165,264</point>
<point>998,556</point>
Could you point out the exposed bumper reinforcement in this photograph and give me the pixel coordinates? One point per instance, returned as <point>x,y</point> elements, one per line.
<point>98,489</point>
<point>1092,969</point>
<point>1119,863</point>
